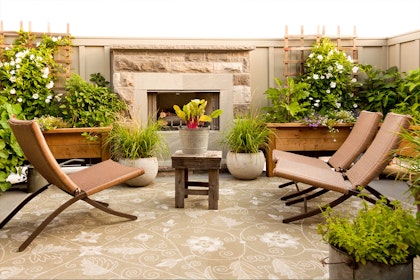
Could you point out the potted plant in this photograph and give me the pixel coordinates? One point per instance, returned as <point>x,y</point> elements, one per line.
<point>245,139</point>
<point>132,144</point>
<point>316,110</point>
<point>379,242</point>
<point>409,160</point>
<point>194,137</point>
<point>28,73</point>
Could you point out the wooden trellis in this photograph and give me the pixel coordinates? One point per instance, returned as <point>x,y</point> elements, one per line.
<point>62,57</point>
<point>297,48</point>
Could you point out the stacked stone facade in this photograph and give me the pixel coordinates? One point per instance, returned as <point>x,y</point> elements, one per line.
<point>129,60</point>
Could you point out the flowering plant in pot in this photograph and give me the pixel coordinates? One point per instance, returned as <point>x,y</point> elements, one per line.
<point>194,113</point>
<point>194,140</point>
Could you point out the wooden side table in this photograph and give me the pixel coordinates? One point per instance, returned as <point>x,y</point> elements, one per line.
<point>209,161</point>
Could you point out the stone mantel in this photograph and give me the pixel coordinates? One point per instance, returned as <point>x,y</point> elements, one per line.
<point>228,48</point>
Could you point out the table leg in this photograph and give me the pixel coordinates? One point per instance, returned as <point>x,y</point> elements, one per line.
<point>179,187</point>
<point>214,189</point>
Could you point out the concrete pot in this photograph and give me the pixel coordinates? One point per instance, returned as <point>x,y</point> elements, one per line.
<point>150,166</point>
<point>245,166</point>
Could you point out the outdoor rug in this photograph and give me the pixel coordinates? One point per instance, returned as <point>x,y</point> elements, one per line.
<point>244,239</point>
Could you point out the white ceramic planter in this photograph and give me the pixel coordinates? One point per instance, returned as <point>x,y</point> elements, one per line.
<point>150,166</point>
<point>245,166</point>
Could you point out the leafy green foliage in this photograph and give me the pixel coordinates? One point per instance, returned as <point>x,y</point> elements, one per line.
<point>89,105</point>
<point>409,91</point>
<point>247,134</point>
<point>288,102</point>
<point>411,161</point>
<point>379,88</point>
<point>129,139</point>
<point>28,72</point>
<point>329,72</point>
<point>378,233</point>
<point>11,155</point>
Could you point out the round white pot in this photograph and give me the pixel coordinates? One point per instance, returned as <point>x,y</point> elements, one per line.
<point>245,166</point>
<point>150,166</point>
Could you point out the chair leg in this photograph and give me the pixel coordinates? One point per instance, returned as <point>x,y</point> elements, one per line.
<point>22,204</point>
<point>103,207</point>
<point>318,210</point>
<point>54,214</point>
<point>300,199</point>
<point>288,184</point>
<point>299,193</point>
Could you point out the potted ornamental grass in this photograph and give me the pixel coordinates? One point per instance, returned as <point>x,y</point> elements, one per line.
<point>379,242</point>
<point>246,139</point>
<point>195,134</point>
<point>133,144</point>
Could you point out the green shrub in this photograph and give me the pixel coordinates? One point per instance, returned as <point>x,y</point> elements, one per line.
<point>379,233</point>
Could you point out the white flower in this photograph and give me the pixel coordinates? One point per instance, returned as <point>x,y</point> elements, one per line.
<point>45,72</point>
<point>50,85</point>
<point>333,84</point>
<point>311,55</point>
<point>35,96</point>
<point>355,69</point>
<point>339,66</point>
<point>18,60</point>
<point>355,105</point>
<point>20,99</point>
<point>316,76</point>
<point>353,80</point>
<point>328,91</point>
<point>12,63</point>
<point>330,68</point>
<point>12,79</point>
<point>32,57</point>
<point>322,77</point>
<point>320,57</point>
<point>12,91</point>
<point>338,104</point>
<point>329,75</point>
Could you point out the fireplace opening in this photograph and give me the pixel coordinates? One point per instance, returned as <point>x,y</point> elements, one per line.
<point>160,106</point>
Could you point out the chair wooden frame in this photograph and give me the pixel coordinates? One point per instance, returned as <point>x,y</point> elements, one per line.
<point>80,185</point>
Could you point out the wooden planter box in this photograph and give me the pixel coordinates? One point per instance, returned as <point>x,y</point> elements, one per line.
<point>68,143</point>
<point>299,137</point>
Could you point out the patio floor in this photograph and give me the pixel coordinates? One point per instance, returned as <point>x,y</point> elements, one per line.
<point>243,239</point>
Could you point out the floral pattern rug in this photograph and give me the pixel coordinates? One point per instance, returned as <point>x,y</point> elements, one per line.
<point>244,239</point>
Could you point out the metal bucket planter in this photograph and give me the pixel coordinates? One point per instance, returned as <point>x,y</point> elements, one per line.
<point>194,141</point>
<point>342,266</point>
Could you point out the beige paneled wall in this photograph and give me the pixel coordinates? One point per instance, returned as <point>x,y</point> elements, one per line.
<point>91,55</point>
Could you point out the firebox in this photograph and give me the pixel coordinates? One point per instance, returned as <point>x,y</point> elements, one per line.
<point>160,105</point>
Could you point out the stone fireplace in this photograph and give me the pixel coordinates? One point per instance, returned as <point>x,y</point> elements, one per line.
<point>142,74</point>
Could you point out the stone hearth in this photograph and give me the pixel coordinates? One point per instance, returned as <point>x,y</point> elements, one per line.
<point>139,69</point>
